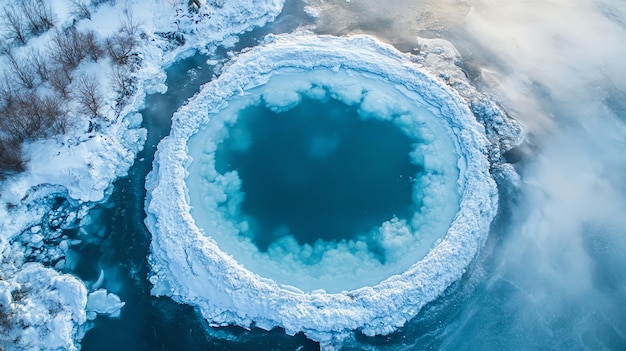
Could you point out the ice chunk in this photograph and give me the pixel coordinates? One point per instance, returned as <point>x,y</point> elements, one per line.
<point>104,303</point>
<point>5,297</point>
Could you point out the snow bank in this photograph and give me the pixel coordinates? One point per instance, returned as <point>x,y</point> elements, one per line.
<point>88,163</point>
<point>83,165</point>
<point>190,267</point>
<point>41,309</point>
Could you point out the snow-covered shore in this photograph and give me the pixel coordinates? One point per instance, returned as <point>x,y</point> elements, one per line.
<point>41,308</point>
<point>190,267</point>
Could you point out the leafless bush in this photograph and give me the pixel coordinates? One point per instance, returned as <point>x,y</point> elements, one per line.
<point>39,61</point>
<point>31,116</point>
<point>38,15</point>
<point>67,48</point>
<point>23,70</point>
<point>92,45</point>
<point>7,92</point>
<point>119,47</point>
<point>14,24</point>
<point>121,80</point>
<point>129,25</point>
<point>80,9</point>
<point>70,47</point>
<point>88,95</point>
<point>24,18</point>
<point>60,80</point>
<point>123,83</point>
<point>11,158</point>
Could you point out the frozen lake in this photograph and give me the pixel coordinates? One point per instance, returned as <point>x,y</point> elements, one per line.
<point>297,177</point>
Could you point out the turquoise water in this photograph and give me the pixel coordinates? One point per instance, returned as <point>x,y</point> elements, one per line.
<point>318,171</point>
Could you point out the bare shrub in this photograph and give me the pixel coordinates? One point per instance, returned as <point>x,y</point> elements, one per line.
<point>88,95</point>
<point>66,48</point>
<point>121,80</point>
<point>31,116</point>
<point>124,85</point>
<point>11,157</point>
<point>129,25</point>
<point>45,13</point>
<point>24,18</point>
<point>70,47</point>
<point>39,61</point>
<point>80,9</point>
<point>38,14</point>
<point>92,45</point>
<point>60,122</point>
<point>7,92</point>
<point>59,81</point>
<point>23,70</point>
<point>119,47</point>
<point>14,24</point>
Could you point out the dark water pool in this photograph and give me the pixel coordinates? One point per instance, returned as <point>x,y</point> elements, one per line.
<point>318,171</point>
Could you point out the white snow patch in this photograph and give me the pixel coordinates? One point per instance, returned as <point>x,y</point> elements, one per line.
<point>43,308</point>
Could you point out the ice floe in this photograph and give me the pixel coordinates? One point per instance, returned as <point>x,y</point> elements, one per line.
<point>190,266</point>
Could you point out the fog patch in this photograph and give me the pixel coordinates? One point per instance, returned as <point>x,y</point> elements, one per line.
<point>564,244</point>
<point>397,23</point>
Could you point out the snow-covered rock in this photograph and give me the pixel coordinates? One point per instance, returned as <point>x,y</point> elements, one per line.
<point>41,309</point>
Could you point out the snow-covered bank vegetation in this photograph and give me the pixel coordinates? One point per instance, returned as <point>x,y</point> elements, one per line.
<point>72,85</point>
<point>45,94</point>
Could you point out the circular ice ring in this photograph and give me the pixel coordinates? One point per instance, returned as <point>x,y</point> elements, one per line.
<point>189,267</point>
